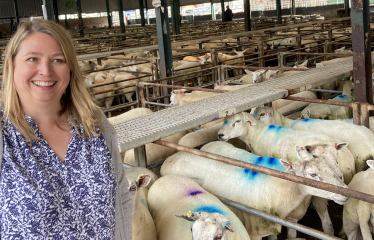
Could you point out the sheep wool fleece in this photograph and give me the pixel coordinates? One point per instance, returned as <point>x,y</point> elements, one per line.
<point>124,204</point>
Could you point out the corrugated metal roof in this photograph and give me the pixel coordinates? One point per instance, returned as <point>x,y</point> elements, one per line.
<point>7,9</point>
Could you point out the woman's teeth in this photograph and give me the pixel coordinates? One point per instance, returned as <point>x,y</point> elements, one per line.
<point>44,84</point>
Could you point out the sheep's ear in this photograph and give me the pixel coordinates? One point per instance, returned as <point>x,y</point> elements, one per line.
<point>236,52</point>
<point>340,146</point>
<point>247,71</point>
<point>103,77</point>
<point>370,163</point>
<point>286,164</point>
<point>135,57</point>
<point>189,216</point>
<point>228,226</point>
<point>143,180</point>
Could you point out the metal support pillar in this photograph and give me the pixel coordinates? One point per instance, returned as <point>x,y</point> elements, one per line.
<point>66,21</point>
<point>121,18</point>
<point>48,4</point>
<point>223,10</point>
<point>16,10</point>
<point>141,9</point>
<point>346,6</point>
<point>140,156</point>
<point>247,15</point>
<point>55,11</point>
<point>279,11</point>
<point>293,8</point>
<point>109,14</point>
<point>164,44</point>
<point>146,11</point>
<point>174,16</point>
<point>212,10</point>
<point>179,16</point>
<point>361,42</point>
<point>80,24</point>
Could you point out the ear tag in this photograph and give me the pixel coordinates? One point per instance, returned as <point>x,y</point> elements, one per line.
<point>140,176</point>
<point>302,149</point>
<point>336,145</point>
<point>271,115</point>
<point>250,123</point>
<point>290,164</point>
<point>189,214</point>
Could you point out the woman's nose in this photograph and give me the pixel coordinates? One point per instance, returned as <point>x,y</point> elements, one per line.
<point>45,68</point>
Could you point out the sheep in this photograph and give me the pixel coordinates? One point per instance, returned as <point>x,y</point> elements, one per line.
<point>357,214</point>
<point>107,102</point>
<point>206,135</point>
<point>280,103</point>
<point>179,97</point>
<point>332,112</point>
<point>88,66</point>
<point>155,153</point>
<point>174,194</point>
<point>273,195</point>
<point>143,226</point>
<point>256,135</point>
<point>252,77</point>
<point>134,113</point>
<point>233,60</point>
<point>124,86</point>
<point>360,138</point>
<point>192,67</point>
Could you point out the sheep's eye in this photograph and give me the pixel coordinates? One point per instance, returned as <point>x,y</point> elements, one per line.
<point>313,175</point>
<point>132,188</point>
<point>237,121</point>
<point>219,237</point>
<point>262,114</point>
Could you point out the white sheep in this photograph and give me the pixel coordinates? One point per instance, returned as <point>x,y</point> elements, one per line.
<point>252,77</point>
<point>260,191</point>
<point>143,226</point>
<point>88,66</point>
<point>332,112</point>
<point>125,86</point>
<point>357,214</point>
<point>174,194</point>
<point>101,78</point>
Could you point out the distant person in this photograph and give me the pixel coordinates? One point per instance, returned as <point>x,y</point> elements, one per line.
<point>228,14</point>
<point>14,27</point>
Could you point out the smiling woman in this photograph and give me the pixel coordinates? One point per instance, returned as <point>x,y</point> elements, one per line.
<point>58,153</point>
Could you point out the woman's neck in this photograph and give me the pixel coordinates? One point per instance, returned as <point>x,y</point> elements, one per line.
<point>44,113</point>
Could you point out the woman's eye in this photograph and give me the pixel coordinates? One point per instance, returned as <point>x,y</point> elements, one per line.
<point>32,59</point>
<point>58,60</point>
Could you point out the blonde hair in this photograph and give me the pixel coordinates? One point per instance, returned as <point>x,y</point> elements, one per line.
<point>78,101</point>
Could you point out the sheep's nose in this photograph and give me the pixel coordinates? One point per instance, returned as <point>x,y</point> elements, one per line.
<point>220,136</point>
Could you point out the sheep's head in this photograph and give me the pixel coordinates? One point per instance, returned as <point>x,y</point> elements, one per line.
<point>236,126</point>
<point>142,181</point>
<point>208,226</point>
<point>264,115</point>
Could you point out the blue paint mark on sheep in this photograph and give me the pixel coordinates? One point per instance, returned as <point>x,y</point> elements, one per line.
<point>226,122</point>
<point>209,209</point>
<point>144,203</point>
<point>275,128</point>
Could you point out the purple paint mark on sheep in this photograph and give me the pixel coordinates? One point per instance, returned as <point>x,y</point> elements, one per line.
<point>194,193</point>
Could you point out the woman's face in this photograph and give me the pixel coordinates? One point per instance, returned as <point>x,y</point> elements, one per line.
<point>41,74</point>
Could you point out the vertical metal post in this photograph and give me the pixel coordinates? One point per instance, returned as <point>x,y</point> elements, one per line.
<point>164,44</point>
<point>66,21</point>
<point>141,9</point>
<point>16,10</point>
<point>80,24</point>
<point>121,18</point>
<point>213,57</point>
<point>293,8</point>
<point>179,14</point>
<point>279,11</point>
<point>55,11</point>
<point>212,10</point>
<point>146,11</point>
<point>346,6</point>
<point>223,10</point>
<point>173,16</point>
<point>140,156</point>
<point>109,14</point>
<point>260,48</point>
<point>48,4</point>
<point>247,15</point>
<point>361,42</point>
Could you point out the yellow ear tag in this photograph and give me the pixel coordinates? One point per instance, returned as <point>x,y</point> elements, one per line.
<point>140,176</point>
<point>189,214</point>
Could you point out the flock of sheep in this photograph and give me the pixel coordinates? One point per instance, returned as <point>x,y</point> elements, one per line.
<point>323,145</point>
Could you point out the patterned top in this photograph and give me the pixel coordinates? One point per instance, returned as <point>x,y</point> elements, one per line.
<point>43,198</point>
